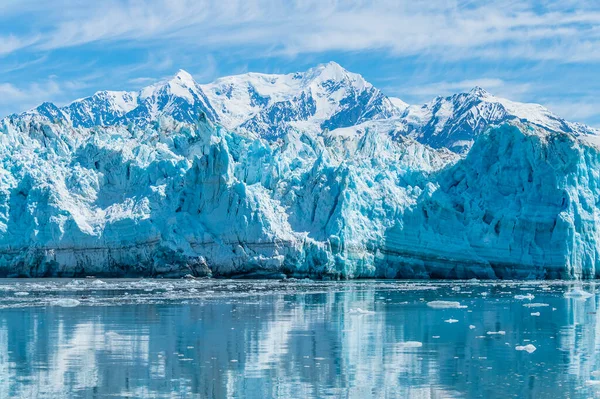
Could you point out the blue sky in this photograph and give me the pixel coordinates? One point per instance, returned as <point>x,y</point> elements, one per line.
<point>544,52</point>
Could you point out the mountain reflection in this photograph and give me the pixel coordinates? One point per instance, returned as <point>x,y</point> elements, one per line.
<point>351,342</point>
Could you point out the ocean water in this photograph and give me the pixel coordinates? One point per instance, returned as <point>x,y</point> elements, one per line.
<point>94,338</point>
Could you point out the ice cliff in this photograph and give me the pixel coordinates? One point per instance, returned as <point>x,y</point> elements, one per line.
<point>174,199</point>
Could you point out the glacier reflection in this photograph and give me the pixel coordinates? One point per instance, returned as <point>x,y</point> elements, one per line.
<point>352,341</point>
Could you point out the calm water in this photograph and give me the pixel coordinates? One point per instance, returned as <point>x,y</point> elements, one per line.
<point>296,339</point>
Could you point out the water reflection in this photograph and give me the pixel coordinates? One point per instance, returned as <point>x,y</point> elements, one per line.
<point>354,341</point>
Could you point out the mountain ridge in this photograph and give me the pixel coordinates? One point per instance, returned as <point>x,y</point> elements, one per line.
<point>324,97</point>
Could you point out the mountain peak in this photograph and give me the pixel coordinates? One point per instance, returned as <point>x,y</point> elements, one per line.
<point>478,91</point>
<point>329,71</point>
<point>184,78</point>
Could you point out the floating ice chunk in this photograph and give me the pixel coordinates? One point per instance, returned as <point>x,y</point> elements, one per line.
<point>595,373</point>
<point>66,302</point>
<point>451,321</point>
<point>410,344</point>
<point>578,293</point>
<point>535,305</point>
<point>98,283</point>
<point>471,327</point>
<point>21,293</point>
<point>445,305</point>
<point>528,296</point>
<point>535,313</point>
<point>359,311</point>
<point>496,333</point>
<point>529,348</point>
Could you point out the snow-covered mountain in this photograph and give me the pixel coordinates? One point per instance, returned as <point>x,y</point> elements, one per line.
<point>324,97</point>
<point>180,98</point>
<point>454,122</point>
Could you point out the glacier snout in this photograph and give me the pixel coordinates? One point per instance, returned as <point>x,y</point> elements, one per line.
<point>173,199</point>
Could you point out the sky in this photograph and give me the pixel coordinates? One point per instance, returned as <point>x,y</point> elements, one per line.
<point>546,52</point>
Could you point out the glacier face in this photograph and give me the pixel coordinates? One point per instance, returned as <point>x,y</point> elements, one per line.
<point>315,174</point>
<point>174,199</point>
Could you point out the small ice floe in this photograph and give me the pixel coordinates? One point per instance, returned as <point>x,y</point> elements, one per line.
<point>98,283</point>
<point>595,373</point>
<point>65,302</point>
<point>529,348</point>
<point>359,311</point>
<point>445,305</point>
<point>535,305</point>
<point>595,383</point>
<point>578,293</point>
<point>528,296</point>
<point>471,327</point>
<point>451,321</point>
<point>496,333</point>
<point>21,293</point>
<point>535,314</point>
<point>409,344</point>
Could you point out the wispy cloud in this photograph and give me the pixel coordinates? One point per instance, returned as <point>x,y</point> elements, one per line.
<point>119,42</point>
<point>452,29</point>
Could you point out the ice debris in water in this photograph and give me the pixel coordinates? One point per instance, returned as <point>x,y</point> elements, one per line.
<point>496,333</point>
<point>360,311</point>
<point>578,293</point>
<point>471,327</point>
<point>535,305</point>
<point>529,348</point>
<point>528,296</point>
<point>21,293</point>
<point>410,344</point>
<point>535,313</point>
<point>66,302</point>
<point>445,305</point>
<point>451,321</point>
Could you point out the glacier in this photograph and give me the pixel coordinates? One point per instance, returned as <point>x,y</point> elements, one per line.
<point>315,174</point>
<point>176,199</point>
